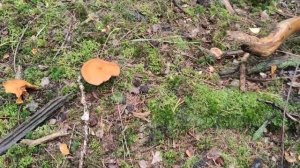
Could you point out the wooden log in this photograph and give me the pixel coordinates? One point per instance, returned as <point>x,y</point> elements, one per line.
<point>267,45</point>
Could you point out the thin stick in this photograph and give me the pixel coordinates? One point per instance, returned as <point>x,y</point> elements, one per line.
<point>228,6</point>
<point>50,155</point>
<point>20,39</point>
<point>284,117</point>
<point>162,41</point>
<point>17,47</point>
<point>285,52</point>
<point>66,37</point>
<point>179,7</point>
<point>243,72</point>
<point>231,53</point>
<point>71,138</point>
<point>44,139</point>
<point>85,118</point>
<point>102,50</point>
<point>123,133</point>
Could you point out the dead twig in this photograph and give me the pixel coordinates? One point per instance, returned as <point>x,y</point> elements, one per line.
<point>285,52</point>
<point>179,7</point>
<point>285,111</point>
<point>243,72</point>
<point>20,39</point>
<point>71,24</point>
<point>85,118</point>
<point>276,107</point>
<point>71,138</point>
<point>44,139</point>
<point>123,134</point>
<point>228,6</point>
<point>231,53</point>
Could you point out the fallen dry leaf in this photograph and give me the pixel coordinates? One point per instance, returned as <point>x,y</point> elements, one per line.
<point>156,157</point>
<point>273,69</point>
<point>299,157</point>
<point>188,153</point>
<point>17,87</point>
<point>34,51</point>
<point>255,30</point>
<point>6,56</point>
<point>294,84</point>
<point>211,69</point>
<point>215,155</point>
<point>141,115</point>
<point>216,52</point>
<point>290,157</point>
<point>64,149</point>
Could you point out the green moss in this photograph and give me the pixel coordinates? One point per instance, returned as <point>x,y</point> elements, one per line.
<point>11,112</point>
<point>169,158</point>
<point>18,156</point>
<point>205,107</point>
<point>41,131</point>
<point>190,162</point>
<point>223,19</point>
<point>33,75</point>
<point>154,61</point>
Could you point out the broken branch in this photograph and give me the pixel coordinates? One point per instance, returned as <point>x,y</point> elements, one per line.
<point>228,6</point>
<point>268,45</point>
<point>39,141</point>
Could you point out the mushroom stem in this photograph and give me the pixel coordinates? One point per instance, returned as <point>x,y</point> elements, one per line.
<point>267,45</point>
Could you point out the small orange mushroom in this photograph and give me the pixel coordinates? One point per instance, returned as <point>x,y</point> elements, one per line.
<point>17,87</point>
<point>96,71</point>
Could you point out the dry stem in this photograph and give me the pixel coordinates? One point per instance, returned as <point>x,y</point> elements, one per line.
<point>85,118</point>
<point>44,139</point>
<point>285,111</point>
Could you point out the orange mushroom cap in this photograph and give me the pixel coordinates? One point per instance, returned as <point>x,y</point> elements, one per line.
<point>17,87</point>
<point>96,71</point>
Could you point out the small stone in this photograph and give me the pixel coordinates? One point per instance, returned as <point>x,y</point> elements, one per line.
<point>42,67</point>
<point>32,106</point>
<point>257,163</point>
<point>85,117</point>
<point>52,121</point>
<point>135,90</point>
<point>263,75</point>
<point>235,62</point>
<point>144,89</point>
<point>235,83</point>
<point>45,82</point>
<point>264,16</point>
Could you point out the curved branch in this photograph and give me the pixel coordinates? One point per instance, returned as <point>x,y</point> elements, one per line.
<point>267,45</point>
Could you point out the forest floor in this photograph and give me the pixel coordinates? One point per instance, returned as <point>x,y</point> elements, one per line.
<point>169,107</point>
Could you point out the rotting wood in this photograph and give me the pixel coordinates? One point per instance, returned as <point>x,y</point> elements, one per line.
<point>267,45</point>
<point>32,122</point>
<point>255,66</point>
